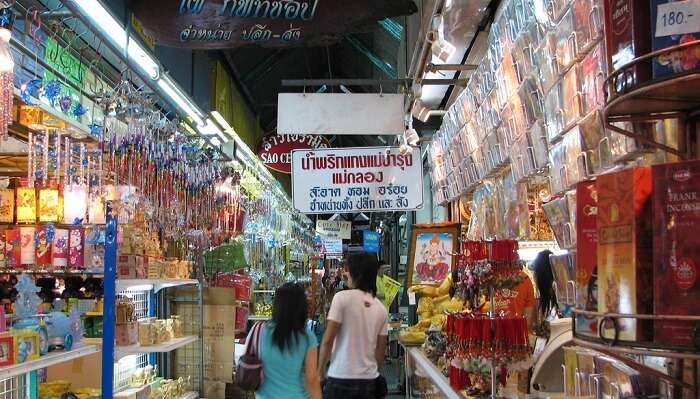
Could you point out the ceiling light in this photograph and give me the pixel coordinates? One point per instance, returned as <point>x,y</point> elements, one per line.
<point>180,100</point>
<point>412,137</point>
<point>209,128</point>
<point>103,20</point>
<point>222,122</point>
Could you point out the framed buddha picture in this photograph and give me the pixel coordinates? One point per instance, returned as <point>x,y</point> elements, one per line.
<point>431,255</point>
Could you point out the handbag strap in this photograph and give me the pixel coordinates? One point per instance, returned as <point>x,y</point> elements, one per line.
<point>254,339</point>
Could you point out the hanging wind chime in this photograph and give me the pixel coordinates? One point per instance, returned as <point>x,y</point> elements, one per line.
<point>6,71</point>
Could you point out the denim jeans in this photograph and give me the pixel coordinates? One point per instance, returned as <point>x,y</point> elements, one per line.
<point>336,388</point>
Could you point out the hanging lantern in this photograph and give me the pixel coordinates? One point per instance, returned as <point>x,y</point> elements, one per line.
<point>7,67</point>
<point>74,204</point>
<point>96,209</point>
<point>59,248</point>
<point>26,205</point>
<point>7,205</point>
<point>28,249</point>
<point>49,204</point>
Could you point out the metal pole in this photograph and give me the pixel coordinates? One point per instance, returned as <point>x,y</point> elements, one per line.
<point>367,82</point>
<point>451,67</point>
<point>109,318</point>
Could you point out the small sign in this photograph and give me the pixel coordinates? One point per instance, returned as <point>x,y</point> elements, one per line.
<point>333,229</point>
<point>411,298</point>
<point>370,240</point>
<point>332,247</point>
<point>677,18</point>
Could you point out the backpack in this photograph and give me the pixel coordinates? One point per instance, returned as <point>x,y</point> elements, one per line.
<point>249,371</point>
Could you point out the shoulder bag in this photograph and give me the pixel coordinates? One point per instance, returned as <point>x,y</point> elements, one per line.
<point>249,371</point>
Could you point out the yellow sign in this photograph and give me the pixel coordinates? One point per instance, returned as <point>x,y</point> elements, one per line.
<point>391,288</point>
<point>138,27</point>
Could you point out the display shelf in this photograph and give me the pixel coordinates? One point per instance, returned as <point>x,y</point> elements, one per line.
<point>259,318</point>
<point>189,395</point>
<point>154,284</point>
<point>76,272</point>
<point>47,360</point>
<point>419,365</point>
<point>673,97</point>
<point>169,346</point>
<point>263,291</point>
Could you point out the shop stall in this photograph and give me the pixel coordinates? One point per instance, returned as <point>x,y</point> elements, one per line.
<point>576,127</point>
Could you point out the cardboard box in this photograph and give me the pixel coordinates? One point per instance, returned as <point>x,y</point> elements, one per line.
<point>219,333</point>
<point>676,250</point>
<point>627,27</point>
<point>586,255</point>
<point>126,266</point>
<point>624,250</point>
<point>134,393</point>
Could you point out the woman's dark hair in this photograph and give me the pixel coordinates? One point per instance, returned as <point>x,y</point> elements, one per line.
<point>363,269</point>
<point>544,279</point>
<point>289,313</point>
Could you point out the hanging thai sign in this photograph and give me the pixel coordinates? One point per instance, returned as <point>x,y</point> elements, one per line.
<point>363,179</point>
<point>370,241</point>
<point>340,114</point>
<point>333,229</point>
<point>276,151</point>
<point>214,24</point>
<point>332,247</point>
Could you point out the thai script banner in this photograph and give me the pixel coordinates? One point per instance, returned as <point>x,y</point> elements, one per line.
<point>365,179</point>
<point>333,229</point>
<point>217,24</point>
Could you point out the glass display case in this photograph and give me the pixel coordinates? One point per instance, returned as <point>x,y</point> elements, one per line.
<point>424,380</point>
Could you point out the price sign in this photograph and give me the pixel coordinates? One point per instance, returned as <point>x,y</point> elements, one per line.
<point>677,18</point>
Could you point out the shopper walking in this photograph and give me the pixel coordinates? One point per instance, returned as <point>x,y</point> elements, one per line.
<point>355,338</point>
<point>287,350</point>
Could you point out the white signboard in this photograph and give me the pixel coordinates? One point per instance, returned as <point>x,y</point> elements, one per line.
<point>332,247</point>
<point>333,229</point>
<point>363,179</point>
<point>677,18</point>
<point>340,114</point>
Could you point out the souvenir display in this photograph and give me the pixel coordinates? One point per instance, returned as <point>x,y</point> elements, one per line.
<point>7,205</point>
<point>676,256</point>
<point>624,250</point>
<point>675,62</point>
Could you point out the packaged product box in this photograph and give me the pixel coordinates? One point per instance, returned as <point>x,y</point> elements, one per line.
<point>43,247</point>
<point>3,246</point>
<point>59,248</point>
<point>76,248</point>
<point>565,46</point>
<point>563,272</point>
<point>586,256</point>
<point>126,266</point>
<point>676,250</point>
<point>553,113</point>
<point>585,362</point>
<point>593,69</point>
<point>570,367</point>
<point>571,97</point>
<point>625,250</point>
<point>13,246</point>
<point>627,27</point>
<point>671,33</point>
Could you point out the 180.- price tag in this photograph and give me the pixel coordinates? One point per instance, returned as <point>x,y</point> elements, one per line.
<point>677,18</point>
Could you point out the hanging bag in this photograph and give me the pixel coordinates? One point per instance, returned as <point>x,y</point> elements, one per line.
<point>249,371</point>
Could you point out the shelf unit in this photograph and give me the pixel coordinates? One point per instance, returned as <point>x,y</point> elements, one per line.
<point>259,318</point>
<point>47,360</point>
<point>154,284</point>
<point>160,348</point>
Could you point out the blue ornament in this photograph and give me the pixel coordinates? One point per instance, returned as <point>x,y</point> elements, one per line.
<point>27,299</point>
<point>96,130</point>
<point>52,89</point>
<point>7,18</point>
<point>77,221</point>
<point>79,110</point>
<point>65,103</point>
<point>33,88</point>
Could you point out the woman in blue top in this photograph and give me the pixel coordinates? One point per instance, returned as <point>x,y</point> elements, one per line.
<point>288,352</point>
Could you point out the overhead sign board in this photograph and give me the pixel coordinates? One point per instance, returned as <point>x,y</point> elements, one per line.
<point>340,114</point>
<point>217,24</point>
<point>333,229</point>
<point>363,179</point>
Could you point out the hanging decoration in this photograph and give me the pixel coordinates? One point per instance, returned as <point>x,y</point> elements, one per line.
<point>6,71</point>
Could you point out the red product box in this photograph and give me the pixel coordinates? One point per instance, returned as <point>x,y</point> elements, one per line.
<point>43,247</point>
<point>586,254</point>
<point>13,248</point>
<point>241,318</point>
<point>126,266</point>
<point>627,27</point>
<point>676,250</point>
<point>625,251</point>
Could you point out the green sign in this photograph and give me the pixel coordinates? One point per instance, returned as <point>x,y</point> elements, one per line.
<point>67,64</point>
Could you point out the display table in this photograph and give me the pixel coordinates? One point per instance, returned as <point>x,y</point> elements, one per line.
<point>423,379</point>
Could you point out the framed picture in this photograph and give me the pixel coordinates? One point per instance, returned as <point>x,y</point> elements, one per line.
<point>431,258</point>
<point>7,350</point>
<point>26,345</point>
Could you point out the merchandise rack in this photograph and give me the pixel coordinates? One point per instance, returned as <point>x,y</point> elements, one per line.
<point>47,360</point>
<point>673,97</point>
<point>124,360</point>
<point>417,365</point>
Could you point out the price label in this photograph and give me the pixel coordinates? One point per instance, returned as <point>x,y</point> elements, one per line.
<point>677,18</point>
